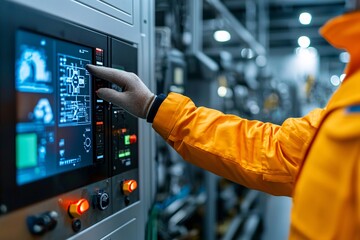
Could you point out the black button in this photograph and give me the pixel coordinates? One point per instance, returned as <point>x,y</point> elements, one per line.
<point>99,138</point>
<point>127,200</point>
<point>76,225</point>
<point>99,128</point>
<point>99,117</point>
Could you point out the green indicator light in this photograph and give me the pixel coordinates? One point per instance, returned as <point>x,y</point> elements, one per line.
<point>127,139</point>
<point>122,154</point>
<point>127,153</point>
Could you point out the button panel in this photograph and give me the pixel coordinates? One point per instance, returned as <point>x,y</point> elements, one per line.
<point>124,142</point>
<point>126,189</point>
<point>99,112</point>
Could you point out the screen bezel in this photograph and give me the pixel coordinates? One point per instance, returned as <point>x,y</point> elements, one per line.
<point>11,195</point>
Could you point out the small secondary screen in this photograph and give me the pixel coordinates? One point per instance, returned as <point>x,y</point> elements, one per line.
<point>53,106</point>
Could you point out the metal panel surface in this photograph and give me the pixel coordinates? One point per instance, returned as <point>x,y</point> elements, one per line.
<point>105,19</point>
<point>123,5</point>
<point>129,230</point>
<point>120,9</point>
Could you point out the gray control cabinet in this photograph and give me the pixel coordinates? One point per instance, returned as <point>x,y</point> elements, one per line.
<point>130,21</point>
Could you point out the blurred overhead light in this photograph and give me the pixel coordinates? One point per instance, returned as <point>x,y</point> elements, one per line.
<point>344,57</point>
<point>335,80</point>
<point>261,61</point>
<point>305,18</point>
<point>304,41</point>
<point>247,53</point>
<point>309,52</point>
<point>222,36</point>
<point>253,107</point>
<point>222,91</point>
<point>306,61</point>
<point>342,77</point>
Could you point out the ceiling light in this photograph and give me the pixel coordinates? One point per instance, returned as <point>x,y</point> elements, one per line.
<point>304,41</point>
<point>247,53</point>
<point>222,91</point>
<point>344,57</point>
<point>222,36</point>
<point>305,18</point>
<point>335,80</point>
<point>261,61</point>
<point>342,77</point>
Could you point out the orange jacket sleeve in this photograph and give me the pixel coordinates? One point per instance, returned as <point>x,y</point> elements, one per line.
<point>258,155</point>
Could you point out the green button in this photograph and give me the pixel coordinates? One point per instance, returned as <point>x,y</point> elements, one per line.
<point>122,154</point>
<point>127,153</point>
<point>127,139</point>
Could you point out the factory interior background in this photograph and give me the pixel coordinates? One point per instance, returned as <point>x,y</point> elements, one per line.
<point>258,59</point>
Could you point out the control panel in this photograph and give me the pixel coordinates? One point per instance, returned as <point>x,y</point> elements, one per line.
<point>69,160</point>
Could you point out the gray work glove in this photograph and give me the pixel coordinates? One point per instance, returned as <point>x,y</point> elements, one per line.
<point>135,97</point>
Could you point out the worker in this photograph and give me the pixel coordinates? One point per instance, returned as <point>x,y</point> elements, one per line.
<point>314,159</point>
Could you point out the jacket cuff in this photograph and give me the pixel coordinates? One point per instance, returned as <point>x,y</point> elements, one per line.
<point>155,107</point>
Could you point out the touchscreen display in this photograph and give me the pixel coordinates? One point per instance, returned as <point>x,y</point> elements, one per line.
<point>53,106</point>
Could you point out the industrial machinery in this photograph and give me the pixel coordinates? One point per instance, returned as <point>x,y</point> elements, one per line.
<point>72,165</point>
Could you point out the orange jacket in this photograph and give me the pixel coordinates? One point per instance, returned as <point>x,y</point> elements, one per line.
<point>315,159</point>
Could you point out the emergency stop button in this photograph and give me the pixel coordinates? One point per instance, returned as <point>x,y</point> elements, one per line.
<point>76,209</point>
<point>128,186</point>
<point>133,139</point>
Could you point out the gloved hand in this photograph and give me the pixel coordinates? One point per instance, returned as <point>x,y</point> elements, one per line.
<point>135,97</point>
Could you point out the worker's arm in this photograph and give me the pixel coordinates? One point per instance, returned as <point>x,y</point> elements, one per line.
<point>258,155</point>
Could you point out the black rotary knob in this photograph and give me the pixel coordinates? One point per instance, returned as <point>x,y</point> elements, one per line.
<point>103,200</point>
<point>42,223</point>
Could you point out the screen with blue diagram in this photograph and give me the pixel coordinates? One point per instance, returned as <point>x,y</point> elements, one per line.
<point>53,100</point>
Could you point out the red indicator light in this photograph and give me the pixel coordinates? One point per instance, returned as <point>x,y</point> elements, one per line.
<point>99,50</point>
<point>99,123</point>
<point>133,186</point>
<point>83,206</point>
<point>78,208</point>
<point>129,186</point>
<point>133,139</point>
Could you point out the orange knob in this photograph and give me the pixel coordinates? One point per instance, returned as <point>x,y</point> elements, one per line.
<point>129,186</point>
<point>78,208</point>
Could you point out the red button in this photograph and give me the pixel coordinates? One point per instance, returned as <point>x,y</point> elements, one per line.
<point>129,186</point>
<point>78,208</point>
<point>133,138</point>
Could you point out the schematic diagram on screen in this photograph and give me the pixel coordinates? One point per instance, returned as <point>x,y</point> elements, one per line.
<point>74,90</point>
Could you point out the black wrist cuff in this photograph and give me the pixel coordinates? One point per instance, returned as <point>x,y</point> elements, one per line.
<point>155,107</point>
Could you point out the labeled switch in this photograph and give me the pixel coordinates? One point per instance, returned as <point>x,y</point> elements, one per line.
<point>128,186</point>
<point>78,208</point>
